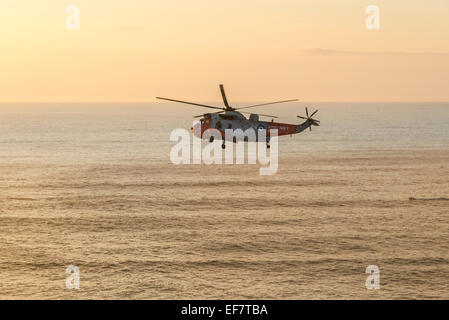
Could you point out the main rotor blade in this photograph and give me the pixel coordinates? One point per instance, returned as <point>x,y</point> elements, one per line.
<point>195,104</point>
<point>307,112</point>
<point>223,94</point>
<point>265,104</point>
<point>260,114</point>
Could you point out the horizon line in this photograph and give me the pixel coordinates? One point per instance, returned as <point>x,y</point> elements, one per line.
<point>219,102</point>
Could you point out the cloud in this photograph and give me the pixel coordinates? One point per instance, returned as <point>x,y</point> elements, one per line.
<point>321,51</point>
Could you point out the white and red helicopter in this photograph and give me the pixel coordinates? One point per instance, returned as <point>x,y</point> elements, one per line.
<point>230,118</point>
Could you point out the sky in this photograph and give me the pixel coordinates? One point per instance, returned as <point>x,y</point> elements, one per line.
<point>134,50</point>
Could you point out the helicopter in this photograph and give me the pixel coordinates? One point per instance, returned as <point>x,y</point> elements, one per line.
<point>231,118</point>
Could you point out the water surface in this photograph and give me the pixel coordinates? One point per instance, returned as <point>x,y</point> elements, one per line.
<point>92,185</point>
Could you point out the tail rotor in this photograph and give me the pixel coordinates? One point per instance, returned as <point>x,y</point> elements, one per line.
<point>308,118</point>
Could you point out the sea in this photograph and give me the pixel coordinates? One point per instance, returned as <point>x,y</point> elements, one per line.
<point>92,186</point>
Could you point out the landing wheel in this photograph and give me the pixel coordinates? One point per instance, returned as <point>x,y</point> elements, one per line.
<point>223,146</point>
<point>211,139</point>
<point>268,146</point>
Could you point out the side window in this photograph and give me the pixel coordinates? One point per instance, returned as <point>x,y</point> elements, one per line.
<point>218,125</point>
<point>230,126</point>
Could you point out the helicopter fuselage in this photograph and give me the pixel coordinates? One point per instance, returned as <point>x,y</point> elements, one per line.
<point>235,120</point>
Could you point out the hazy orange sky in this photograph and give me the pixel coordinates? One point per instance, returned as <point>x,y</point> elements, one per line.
<point>134,50</point>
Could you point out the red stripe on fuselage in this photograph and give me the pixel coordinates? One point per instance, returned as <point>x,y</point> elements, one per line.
<point>283,128</point>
